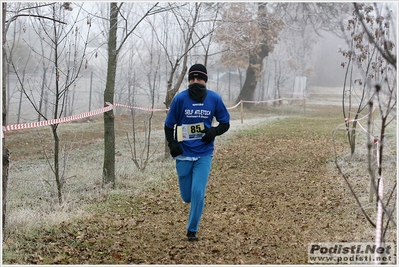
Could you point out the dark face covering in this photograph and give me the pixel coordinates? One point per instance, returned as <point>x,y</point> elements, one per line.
<point>197,92</point>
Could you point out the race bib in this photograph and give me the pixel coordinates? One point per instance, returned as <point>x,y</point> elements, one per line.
<point>190,131</point>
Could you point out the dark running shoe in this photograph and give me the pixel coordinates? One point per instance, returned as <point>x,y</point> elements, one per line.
<point>192,236</point>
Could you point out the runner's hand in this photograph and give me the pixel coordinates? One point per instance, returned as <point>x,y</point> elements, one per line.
<point>210,134</point>
<point>175,149</point>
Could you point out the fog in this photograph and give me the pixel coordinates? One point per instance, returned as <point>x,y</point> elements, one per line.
<point>328,70</point>
<point>143,63</point>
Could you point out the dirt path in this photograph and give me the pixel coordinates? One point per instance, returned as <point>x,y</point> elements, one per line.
<point>270,193</point>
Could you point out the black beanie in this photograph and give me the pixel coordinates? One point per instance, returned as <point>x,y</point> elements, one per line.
<point>198,71</point>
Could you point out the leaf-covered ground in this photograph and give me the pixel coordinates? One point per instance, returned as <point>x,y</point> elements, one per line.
<point>272,190</point>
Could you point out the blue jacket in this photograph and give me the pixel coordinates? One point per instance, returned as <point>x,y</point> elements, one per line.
<point>185,111</point>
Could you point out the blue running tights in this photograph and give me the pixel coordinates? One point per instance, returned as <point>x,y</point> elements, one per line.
<point>193,178</point>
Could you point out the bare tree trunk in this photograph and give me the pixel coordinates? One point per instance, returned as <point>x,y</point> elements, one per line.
<point>91,89</point>
<point>20,98</point>
<point>248,89</point>
<point>109,118</point>
<point>182,60</point>
<point>251,80</point>
<point>171,92</point>
<point>6,152</point>
<point>58,178</point>
<point>6,163</point>
<point>255,65</point>
<point>42,93</point>
<point>56,108</point>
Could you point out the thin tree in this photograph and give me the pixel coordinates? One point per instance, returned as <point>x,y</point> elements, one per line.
<point>178,44</point>
<point>364,54</point>
<point>150,62</point>
<point>371,51</point>
<point>5,151</point>
<point>65,52</point>
<point>18,13</point>
<point>250,31</point>
<point>114,49</point>
<point>177,61</point>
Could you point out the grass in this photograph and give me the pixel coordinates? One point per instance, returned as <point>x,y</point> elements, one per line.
<point>33,210</point>
<point>32,194</point>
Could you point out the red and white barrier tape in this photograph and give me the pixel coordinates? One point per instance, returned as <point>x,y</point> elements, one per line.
<point>57,121</point>
<point>379,227</point>
<point>107,107</point>
<point>146,109</point>
<point>375,139</point>
<point>352,120</point>
<point>272,100</point>
<point>235,105</point>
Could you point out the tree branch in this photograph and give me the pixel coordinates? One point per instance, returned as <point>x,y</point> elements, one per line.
<point>29,15</point>
<point>385,54</point>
